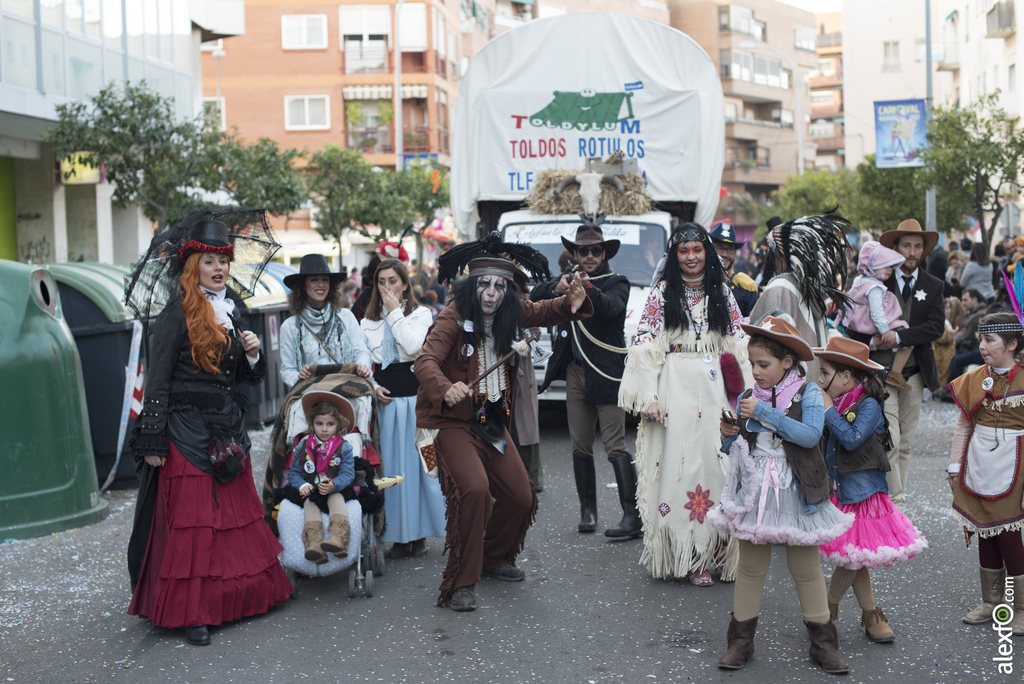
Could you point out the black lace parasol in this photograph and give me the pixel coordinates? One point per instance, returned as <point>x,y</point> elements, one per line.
<point>153,281</point>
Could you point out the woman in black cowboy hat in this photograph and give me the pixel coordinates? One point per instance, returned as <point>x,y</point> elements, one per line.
<point>321,333</point>
<point>200,553</point>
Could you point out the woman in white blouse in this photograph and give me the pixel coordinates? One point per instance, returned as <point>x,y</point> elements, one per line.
<point>395,326</point>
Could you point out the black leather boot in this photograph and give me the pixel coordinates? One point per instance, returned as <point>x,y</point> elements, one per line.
<point>586,487</point>
<point>630,525</point>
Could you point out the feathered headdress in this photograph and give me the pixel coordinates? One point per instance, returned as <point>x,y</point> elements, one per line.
<point>491,256</point>
<point>814,251</point>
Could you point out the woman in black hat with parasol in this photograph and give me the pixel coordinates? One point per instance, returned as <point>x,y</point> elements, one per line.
<point>321,334</point>
<point>200,553</point>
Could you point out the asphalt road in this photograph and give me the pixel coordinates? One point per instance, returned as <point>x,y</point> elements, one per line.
<point>587,611</point>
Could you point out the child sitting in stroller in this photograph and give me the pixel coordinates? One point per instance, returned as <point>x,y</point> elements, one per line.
<point>322,466</point>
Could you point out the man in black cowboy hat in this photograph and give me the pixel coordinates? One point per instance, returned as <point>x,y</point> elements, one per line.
<point>723,235</point>
<point>590,357</point>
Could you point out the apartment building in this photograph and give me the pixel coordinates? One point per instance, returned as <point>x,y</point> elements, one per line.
<point>765,51</point>
<point>826,127</point>
<point>57,51</point>
<point>979,42</point>
<point>884,59</point>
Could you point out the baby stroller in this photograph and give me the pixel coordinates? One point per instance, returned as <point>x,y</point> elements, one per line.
<point>365,551</point>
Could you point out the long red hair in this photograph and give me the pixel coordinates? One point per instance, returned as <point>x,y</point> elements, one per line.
<point>206,336</point>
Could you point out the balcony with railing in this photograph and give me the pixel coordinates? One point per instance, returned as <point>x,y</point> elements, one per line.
<point>368,61</point>
<point>440,65</point>
<point>443,141</point>
<point>1000,21</point>
<point>372,140</point>
<point>416,140</point>
<point>950,57</point>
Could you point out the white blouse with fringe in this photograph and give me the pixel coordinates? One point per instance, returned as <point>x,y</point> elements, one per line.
<point>680,470</point>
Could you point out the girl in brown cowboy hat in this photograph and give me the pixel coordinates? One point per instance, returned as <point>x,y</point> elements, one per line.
<point>777,491</point>
<point>855,429</point>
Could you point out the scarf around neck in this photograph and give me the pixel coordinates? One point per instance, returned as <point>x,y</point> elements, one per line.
<point>321,452</point>
<point>781,395</point>
<point>317,319</point>
<point>845,401</point>
<point>222,306</point>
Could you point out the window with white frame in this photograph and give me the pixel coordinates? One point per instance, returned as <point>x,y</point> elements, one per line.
<point>213,110</point>
<point>804,38</point>
<point>307,113</point>
<point>891,55</point>
<point>304,31</point>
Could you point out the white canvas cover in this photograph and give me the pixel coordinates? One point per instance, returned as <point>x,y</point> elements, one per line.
<point>555,91</point>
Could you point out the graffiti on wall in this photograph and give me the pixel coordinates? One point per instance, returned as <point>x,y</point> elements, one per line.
<point>36,251</point>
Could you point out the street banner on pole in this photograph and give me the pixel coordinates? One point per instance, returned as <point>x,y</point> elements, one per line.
<point>900,130</point>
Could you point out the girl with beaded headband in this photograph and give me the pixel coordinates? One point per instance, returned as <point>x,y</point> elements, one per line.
<point>984,470</point>
<point>687,350</point>
<point>461,416</point>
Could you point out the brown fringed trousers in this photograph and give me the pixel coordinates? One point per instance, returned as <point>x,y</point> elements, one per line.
<point>490,505</point>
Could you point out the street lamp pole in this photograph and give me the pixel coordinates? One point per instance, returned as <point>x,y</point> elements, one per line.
<point>751,45</point>
<point>399,128</point>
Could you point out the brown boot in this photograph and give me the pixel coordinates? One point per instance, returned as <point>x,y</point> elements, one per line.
<point>825,647</point>
<point>876,627</point>
<point>740,639</point>
<point>312,535</point>
<point>337,536</point>
<point>894,378</point>
<point>992,586</point>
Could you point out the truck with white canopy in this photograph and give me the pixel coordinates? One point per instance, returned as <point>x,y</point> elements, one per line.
<point>556,93</point>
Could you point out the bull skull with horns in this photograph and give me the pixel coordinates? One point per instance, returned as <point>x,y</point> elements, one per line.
<point>590,189</point>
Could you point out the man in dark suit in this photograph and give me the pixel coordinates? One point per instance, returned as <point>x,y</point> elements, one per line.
<point>590,358</point>
<point>920,297</point>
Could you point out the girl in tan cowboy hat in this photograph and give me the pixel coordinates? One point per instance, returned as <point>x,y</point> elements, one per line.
<point>777,491</point>
<point>854,434</point>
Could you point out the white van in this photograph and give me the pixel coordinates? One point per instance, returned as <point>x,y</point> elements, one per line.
<point>642,237</point>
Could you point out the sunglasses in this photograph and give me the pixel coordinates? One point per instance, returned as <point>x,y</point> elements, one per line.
<point>587,251</point>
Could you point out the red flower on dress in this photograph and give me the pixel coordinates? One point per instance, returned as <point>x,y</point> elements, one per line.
<point>699,504</point>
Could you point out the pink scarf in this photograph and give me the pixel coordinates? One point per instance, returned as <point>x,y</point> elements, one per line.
<point>781,395</point>
<point>322,451</point>
<point>844,402</point>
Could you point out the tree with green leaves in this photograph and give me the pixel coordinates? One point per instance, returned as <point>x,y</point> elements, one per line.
<point>349,193</point>
<point>816,192</point>
<point>165,163</point>
<point>974,156</point>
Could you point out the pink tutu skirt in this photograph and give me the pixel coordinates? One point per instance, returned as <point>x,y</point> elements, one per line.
<point>880,536</point>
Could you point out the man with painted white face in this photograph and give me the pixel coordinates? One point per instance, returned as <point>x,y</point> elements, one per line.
<point>590,357</point>
<point>467,371</point>
<point>920,297</point>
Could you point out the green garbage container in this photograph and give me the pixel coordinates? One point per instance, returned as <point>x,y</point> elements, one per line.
<point>90,295</point>
<point>49,482</point>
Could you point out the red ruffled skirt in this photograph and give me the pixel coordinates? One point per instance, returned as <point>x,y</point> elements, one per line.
<point>207,561</point>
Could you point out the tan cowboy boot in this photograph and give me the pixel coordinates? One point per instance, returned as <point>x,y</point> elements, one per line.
<point>312,535</point>
<point>992,584</point>
<point>876,627</point>
<point>337,536</point>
